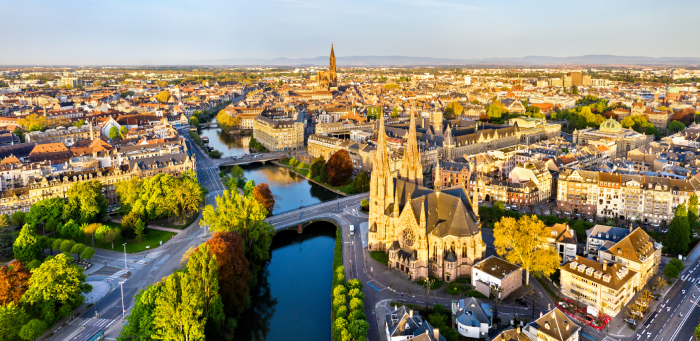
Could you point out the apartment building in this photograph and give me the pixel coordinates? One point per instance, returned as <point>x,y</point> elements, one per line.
<point>278,135</point>
<point>649,199</point>
<point>67,136</point>
<point>601,234</point>
<point>637,251</point>
<point>563,239</point>
<point>537,172</point>
<point>607,288</point>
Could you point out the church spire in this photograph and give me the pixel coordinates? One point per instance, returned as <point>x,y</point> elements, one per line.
<point>437,181</point>
<point>475,198</point>
<point>411,167</point>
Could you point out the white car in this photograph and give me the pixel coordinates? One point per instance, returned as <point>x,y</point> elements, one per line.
<point>352,230</point>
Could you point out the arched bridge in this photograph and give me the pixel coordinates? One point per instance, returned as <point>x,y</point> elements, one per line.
<point>329,210</point>
<point>248,159</point>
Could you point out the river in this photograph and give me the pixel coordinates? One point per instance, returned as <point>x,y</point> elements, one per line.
<point>293,297</point>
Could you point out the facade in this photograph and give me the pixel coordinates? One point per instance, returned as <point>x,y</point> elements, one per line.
<point>626,139</point>
<point>498,272</point>
<point>473,318</point>
<point>406,324</point>
<point>361,154</point>
<point>600,234</point>
<point>424,231</point>
<point>537,172</point>
<point>606,287</point>
<point>563,239</point>
<point>278,135</point>
<point>329,79</point>
<point>577,192</point>
<point>67,136</point>
<point>638,252</point>
<point>552,326</point>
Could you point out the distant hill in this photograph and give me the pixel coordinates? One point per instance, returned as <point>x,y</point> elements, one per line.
<point>417,61</point>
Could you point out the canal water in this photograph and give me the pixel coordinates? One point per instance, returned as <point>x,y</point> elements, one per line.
<point>292,300</point>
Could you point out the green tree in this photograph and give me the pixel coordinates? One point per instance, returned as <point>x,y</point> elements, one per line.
<point>249,187</point>
<point>139,229</point>
<point>693,211</point>
<point>235,213</point>
<point>203,269</point>
<point>87,254</point>
<point>107,234</point>
<point>123,131</point>
<point>18,218</point>
<point>6,236</point>
<point>673,268</point>
<point>86,203</point>
<point>163,96</point>
<point>362,182</point>
<point>358,329</point>
<point>128,192</point>
<point>495,110</point>
<point>679,232</point>
<point>26,246</point>
<point>179,313</point>
<point>77,249</point>
<point>139,324</point>
<point>48,212</point>
<point>11,318</point>
<point>185,197</point>
<point>33,329</point>
<point>317,166</point>
<point>676,126</point>
<point>153,196</point>
<point>113,133</point>
<point>66,246</point>
<point>56,287</point>
<point>194,121</point>
<point>697,332</point>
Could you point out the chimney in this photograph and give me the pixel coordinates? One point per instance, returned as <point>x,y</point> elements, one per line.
<point>410,313</point>
<point>436,334</point>
<point>518,329</point>
<point>541,314</point>
<point>549,306</point>
<point>605,265</point>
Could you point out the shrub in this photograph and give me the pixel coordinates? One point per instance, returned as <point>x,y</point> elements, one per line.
<point>357,314</point>
<point>339,290</point>
<point>356,303</point>
<point>342,312</point>
<point>338,302</point>
<point>356,293</point>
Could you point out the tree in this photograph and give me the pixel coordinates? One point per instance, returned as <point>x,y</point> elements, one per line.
<point>185,197</point>
<point>113,133</point>
<point>153,196</point>
<point>123,131</point>
<point>524,242</point>
<point>163,96</point>
<point>362,182</point>
<point>86,203</point>
<point>139,229</point>
<point>178,313</point>
<point>194,121</point>
<point>697,332</point>
<point>679,232</point>
<point>26,246</point>
<point>77,249</point>
<point>128,192</point>
<point>427,285</point>
<point>358,329</point>
<point>676,126</point>
<point>70,230</point>
<point>56,286</point>
<point>34,122</point>
<point>453,109</point>
<point>249,187</point>
<point>129,224</point>
<point>88,253</point>
<point>634,311</point>
<point>90,229</point>
<point>14,281</point>
<point>66,246</point>
<point>235,213</point>
<point>673,268</point>
<point>140,321</point>
<point>227,121</point>
<point>202,269</point>
<point>48,212</point>
<point>11,317</point>
<point>107,234</point>
<point>7,238</point>
<point>233,272</point>
<point>33,329</point>
<point>316,167</point>
<point>18,218</point>
<point>693,211</point>
<point>659,283</point>
<point>264,196</point>
<point>495,110</point>
<point>339,168</point>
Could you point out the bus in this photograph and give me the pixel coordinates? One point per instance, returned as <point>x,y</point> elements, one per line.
<point>97,336</point>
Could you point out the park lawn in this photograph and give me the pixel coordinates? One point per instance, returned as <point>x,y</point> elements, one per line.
<point>380,256</point>
<point>436,285</point>
<point>455,288</point>
<point>171,224</point>
<point>347,189</point>
<point>151,239</point>
<point>474,293</point>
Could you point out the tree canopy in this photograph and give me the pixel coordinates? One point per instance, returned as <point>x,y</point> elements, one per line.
<point>339,168</point>
<point>26,246</point>
<point>233,272</point>
<point>679,232</point>
<point>264,196</point>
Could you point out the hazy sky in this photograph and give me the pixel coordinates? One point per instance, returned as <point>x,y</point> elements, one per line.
<point>201,31</point>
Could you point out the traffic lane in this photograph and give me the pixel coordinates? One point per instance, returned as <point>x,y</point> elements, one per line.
<point>671,317</point>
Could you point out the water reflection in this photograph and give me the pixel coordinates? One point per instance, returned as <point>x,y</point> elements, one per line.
<point>229,145</point>
<point>291,190</point>
<point>292,301</point>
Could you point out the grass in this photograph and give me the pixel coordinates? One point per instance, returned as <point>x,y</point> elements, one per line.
<point>436,285</point>
<point>474,293</point>
<point>455,288</point>
<point>380,256</point>
<point>466,280</point>
<point>337,254</point>
<point>171,224</point>
<point>347,189</point>
<point>546,287</point>
<point>151,239</point>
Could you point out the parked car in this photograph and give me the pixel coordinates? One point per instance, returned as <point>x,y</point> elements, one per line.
<point>521,302</point>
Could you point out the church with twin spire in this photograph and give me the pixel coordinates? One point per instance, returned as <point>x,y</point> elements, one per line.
<point>424,231</point>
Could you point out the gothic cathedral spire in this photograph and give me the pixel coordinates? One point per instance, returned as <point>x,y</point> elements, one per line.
<point>333,78</point>
<point>411,168</point>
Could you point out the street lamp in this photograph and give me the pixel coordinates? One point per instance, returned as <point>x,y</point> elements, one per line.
<point>126,267</point>
<point>121,284</point>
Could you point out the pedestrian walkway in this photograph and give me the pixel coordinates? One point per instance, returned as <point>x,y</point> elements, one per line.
<point>166,229</point>
<point>100,289</point>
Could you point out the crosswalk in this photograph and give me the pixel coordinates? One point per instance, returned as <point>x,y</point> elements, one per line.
<point>94,324</point>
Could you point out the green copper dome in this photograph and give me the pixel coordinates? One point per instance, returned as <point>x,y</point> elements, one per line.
<point>672,90</point>
<point>610,126</point>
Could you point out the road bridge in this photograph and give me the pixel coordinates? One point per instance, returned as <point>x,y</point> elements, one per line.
<point>248,159</point>
<point>325,211</point>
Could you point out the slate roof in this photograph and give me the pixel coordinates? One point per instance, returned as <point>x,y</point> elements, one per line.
<point>400,323</point>
<point>556,325</point>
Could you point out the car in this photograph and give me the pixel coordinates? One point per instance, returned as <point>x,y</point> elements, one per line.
<point>352,230</point>
<point>508,208</point>
<point>521,301</point>
<point>590,220</point>
<point>631,321</point>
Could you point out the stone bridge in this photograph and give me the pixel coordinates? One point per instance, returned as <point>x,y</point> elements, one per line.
<point>325,211</point>
<point>247,159</point>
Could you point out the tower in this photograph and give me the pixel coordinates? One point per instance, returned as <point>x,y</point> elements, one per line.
<point>332,76</point>
<point>381,192</point>
<point>449,144</point>
<point>411,168</point>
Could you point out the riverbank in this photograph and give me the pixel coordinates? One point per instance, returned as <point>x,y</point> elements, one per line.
<point>326,186</point>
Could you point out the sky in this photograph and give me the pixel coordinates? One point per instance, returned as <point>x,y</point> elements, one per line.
<point>178,32</point>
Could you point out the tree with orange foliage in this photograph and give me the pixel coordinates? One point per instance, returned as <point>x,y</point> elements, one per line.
<point>339,168</point>
<point>14,281</point>
<point>233,274</point>
<point>264,196</point>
